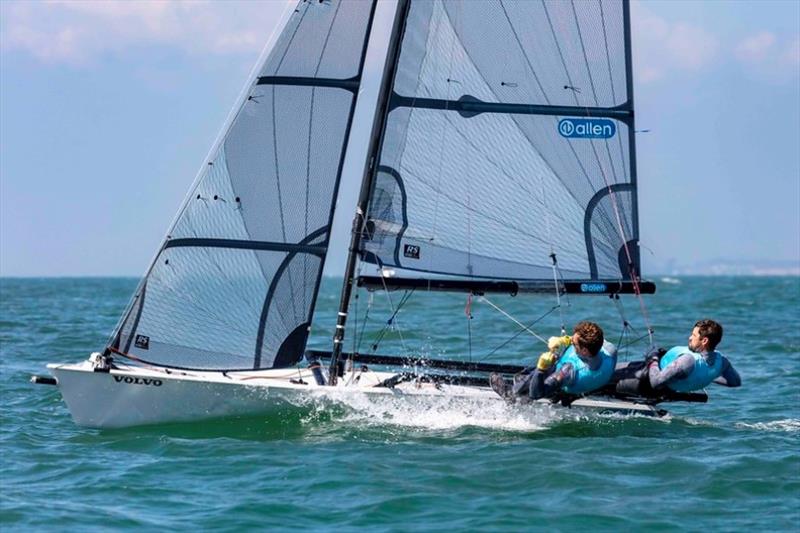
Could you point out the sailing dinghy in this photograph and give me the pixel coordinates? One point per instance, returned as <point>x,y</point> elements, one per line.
<point>500,159</point>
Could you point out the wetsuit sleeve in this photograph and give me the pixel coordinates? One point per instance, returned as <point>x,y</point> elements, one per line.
<point>729,377</point>
<point>678,369</point>
<point>611,349</point>
<point>564,377</point>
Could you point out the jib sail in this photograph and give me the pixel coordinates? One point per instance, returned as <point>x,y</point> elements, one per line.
<point>234,284</point>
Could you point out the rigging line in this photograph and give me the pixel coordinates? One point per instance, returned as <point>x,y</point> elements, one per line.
<point>364,322</point>
<point>619,340</point>
<point>356,337</point>
<point>391,320</point>
<point>381,334</point>
<point>621,311</point>
<point>468,313</point>
<point>561,277</point>
<point>355,312</point>
<point>636,340</point>
<point>558,292</point>
<point>134,358</point>
<point>517,322</point>
<point>517,334</point>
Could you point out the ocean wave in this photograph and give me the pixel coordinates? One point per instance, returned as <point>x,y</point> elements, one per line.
<point>789,425</point>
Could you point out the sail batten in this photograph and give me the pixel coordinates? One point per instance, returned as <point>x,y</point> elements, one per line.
<point>470,106</point>
<point>350,84</point>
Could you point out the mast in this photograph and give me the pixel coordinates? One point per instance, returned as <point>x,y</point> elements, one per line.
<point>626,27</point>
<point>392,56</point>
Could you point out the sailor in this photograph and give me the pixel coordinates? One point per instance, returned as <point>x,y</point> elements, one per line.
<point>586,365</point>
<point>693,367</point>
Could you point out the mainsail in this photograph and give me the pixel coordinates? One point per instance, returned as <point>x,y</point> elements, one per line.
<point>508,141</point>
<point>234,283</point>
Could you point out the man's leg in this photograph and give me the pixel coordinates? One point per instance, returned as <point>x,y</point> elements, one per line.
<point>537,389</point>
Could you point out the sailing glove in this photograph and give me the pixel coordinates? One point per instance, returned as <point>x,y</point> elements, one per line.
<point>654,356</point>
<point>556,343</point>
<point>546,360</point>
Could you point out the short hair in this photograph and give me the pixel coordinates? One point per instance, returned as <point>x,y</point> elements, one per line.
<point>590,336</point>
<point>711,330</point>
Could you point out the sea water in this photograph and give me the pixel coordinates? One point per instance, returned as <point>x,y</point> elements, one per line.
<point>728,465</point>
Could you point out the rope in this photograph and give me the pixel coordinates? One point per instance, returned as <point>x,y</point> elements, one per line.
<point>364,322</point>
<point>517,334</point>
<point>390,321</point>
<point>558,291</point>
<point>517,322</point>
<point>468,312</point>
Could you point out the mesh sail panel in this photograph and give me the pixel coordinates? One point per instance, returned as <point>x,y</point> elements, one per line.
<point>478,175</point>
<point>515,51</point>
<point>234,285</point>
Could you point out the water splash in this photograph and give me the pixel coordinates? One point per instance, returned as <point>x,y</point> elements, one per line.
<point>433,413</point>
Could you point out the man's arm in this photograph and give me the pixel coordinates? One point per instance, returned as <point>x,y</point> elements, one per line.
<point>678,369</point>
<point>729,377</point>
<point>565,376</point>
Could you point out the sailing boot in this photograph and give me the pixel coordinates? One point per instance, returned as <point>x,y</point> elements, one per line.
<point>500,386</point>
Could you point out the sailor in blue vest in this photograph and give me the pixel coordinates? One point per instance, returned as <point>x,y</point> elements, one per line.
<point>693,367</point>
<point>586,365</point>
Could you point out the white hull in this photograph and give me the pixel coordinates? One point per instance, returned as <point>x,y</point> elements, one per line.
<point>134,396</point>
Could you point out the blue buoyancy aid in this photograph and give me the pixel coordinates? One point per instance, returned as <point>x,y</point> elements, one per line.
<point>701,375</point>
<point>586,379</point>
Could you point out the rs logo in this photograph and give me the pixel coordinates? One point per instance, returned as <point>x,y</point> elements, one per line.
<point>411,250</point>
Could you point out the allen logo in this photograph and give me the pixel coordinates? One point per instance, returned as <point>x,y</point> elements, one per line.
<point>411,250</point>
<point>138,381</point>
<point>593,287</point>
<point>587,128</point>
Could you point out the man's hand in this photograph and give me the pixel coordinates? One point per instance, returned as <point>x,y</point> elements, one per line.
<point>654,356</point>
<point>556,343</point>
<point>546,360</point>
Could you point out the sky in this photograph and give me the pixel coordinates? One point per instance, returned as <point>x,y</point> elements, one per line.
<point>108,109</point>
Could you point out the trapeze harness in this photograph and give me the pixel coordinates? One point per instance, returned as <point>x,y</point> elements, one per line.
<point>701,375</point>
<point>586,379</point>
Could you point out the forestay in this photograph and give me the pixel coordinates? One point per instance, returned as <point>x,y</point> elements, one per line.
<point>508,138</point>
<point>234,283</point>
